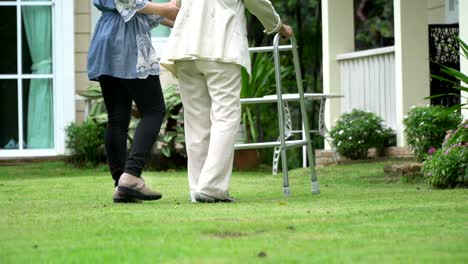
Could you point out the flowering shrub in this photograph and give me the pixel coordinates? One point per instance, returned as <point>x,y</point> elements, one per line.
<point>448,166</point>
<point>425,128</point>
<point>358,131</point>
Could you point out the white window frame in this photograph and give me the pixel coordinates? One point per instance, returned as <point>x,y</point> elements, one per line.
<point>451,11</point>
<point>62,76</point>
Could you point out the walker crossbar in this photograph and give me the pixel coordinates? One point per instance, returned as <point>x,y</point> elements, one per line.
<point>289,144</point>
<point>270,49</point>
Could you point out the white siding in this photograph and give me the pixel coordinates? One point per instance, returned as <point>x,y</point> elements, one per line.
<point>368,82</point>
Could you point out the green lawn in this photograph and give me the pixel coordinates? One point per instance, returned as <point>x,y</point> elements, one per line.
<point>53,213</point>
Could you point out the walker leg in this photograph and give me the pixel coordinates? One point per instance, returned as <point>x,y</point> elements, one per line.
<point>284,164</point>
<point>281,116</point>
<point>305,121</point>
<point>315,187</point>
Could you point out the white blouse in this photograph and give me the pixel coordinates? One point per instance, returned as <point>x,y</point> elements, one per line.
<point>216,30</point>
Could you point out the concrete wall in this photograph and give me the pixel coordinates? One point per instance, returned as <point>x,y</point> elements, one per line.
<point>463,15</point>
<point>436,11</point>
<point>411,59</point>
<point>338,38</point>
<point>82,39</point>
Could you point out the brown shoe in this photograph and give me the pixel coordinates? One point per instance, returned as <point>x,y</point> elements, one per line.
<point>134,187</point>
<point>120,199</point>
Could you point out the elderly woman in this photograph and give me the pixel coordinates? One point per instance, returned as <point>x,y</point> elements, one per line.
<point>206,50</point>
<point>122,59</point>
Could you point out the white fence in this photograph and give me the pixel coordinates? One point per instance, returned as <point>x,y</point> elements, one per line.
<point>368,82</point>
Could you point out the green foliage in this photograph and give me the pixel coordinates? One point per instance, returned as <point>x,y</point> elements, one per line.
<point>459,77</point>
<point>86,141</point>
<point>448,166</point>
<point>373,23</point>
<point>358,131</point>
<point>305,18</point>
<point>447,169</point>
<point>262,80</point>
<point>425,128</point>
<point>97,110</point>
<point>260,83</point>
<point>458,136</point>
<point>171,138</point>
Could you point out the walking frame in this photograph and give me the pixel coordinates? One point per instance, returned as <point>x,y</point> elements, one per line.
<point>285,129</point>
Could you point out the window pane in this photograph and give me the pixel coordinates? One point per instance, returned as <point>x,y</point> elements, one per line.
<point>37,40</point>
<point>38,119</point>
<point>8,114</point>
<point>161,31</point>
<point>8,43</point>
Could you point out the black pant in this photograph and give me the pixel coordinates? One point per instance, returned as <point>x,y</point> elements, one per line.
<point>118,95</point>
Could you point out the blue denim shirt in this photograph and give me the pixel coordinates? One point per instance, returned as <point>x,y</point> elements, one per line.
<point>121,45</point>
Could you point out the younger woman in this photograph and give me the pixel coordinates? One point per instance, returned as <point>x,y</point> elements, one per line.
<point>122,59</point>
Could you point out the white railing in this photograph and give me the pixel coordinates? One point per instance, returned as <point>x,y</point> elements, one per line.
<point>368,82</point>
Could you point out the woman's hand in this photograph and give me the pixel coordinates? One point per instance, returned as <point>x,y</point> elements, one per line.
<point>286,32</point>
<point>167,10</point>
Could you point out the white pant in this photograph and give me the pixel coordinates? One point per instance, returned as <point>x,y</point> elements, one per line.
<point>210,94</point>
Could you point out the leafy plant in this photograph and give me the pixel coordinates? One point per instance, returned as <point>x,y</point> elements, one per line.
<point>86,141</point>
<point>260,83</point>
<point>457,137</point>
<point>448,166</point>
<point>358,131</point>
<point>460,78</point>
<point>97,109</point>
<point>425,128</point>
<point>171,139</point>
<point>373,23</point>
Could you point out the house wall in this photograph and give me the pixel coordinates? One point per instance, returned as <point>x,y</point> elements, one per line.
<point>338,38</point>
<point>82,39</point>
<point>411,59</point>
<point>436,11</point>
<point>463,15</point>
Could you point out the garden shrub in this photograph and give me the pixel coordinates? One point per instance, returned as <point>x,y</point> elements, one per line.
<point>425,128</point>
<point>358,131</point>
<point>447,167</point>
<point>86,142</point>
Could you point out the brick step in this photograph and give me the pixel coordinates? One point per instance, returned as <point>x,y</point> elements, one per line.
<point>325,157</point>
